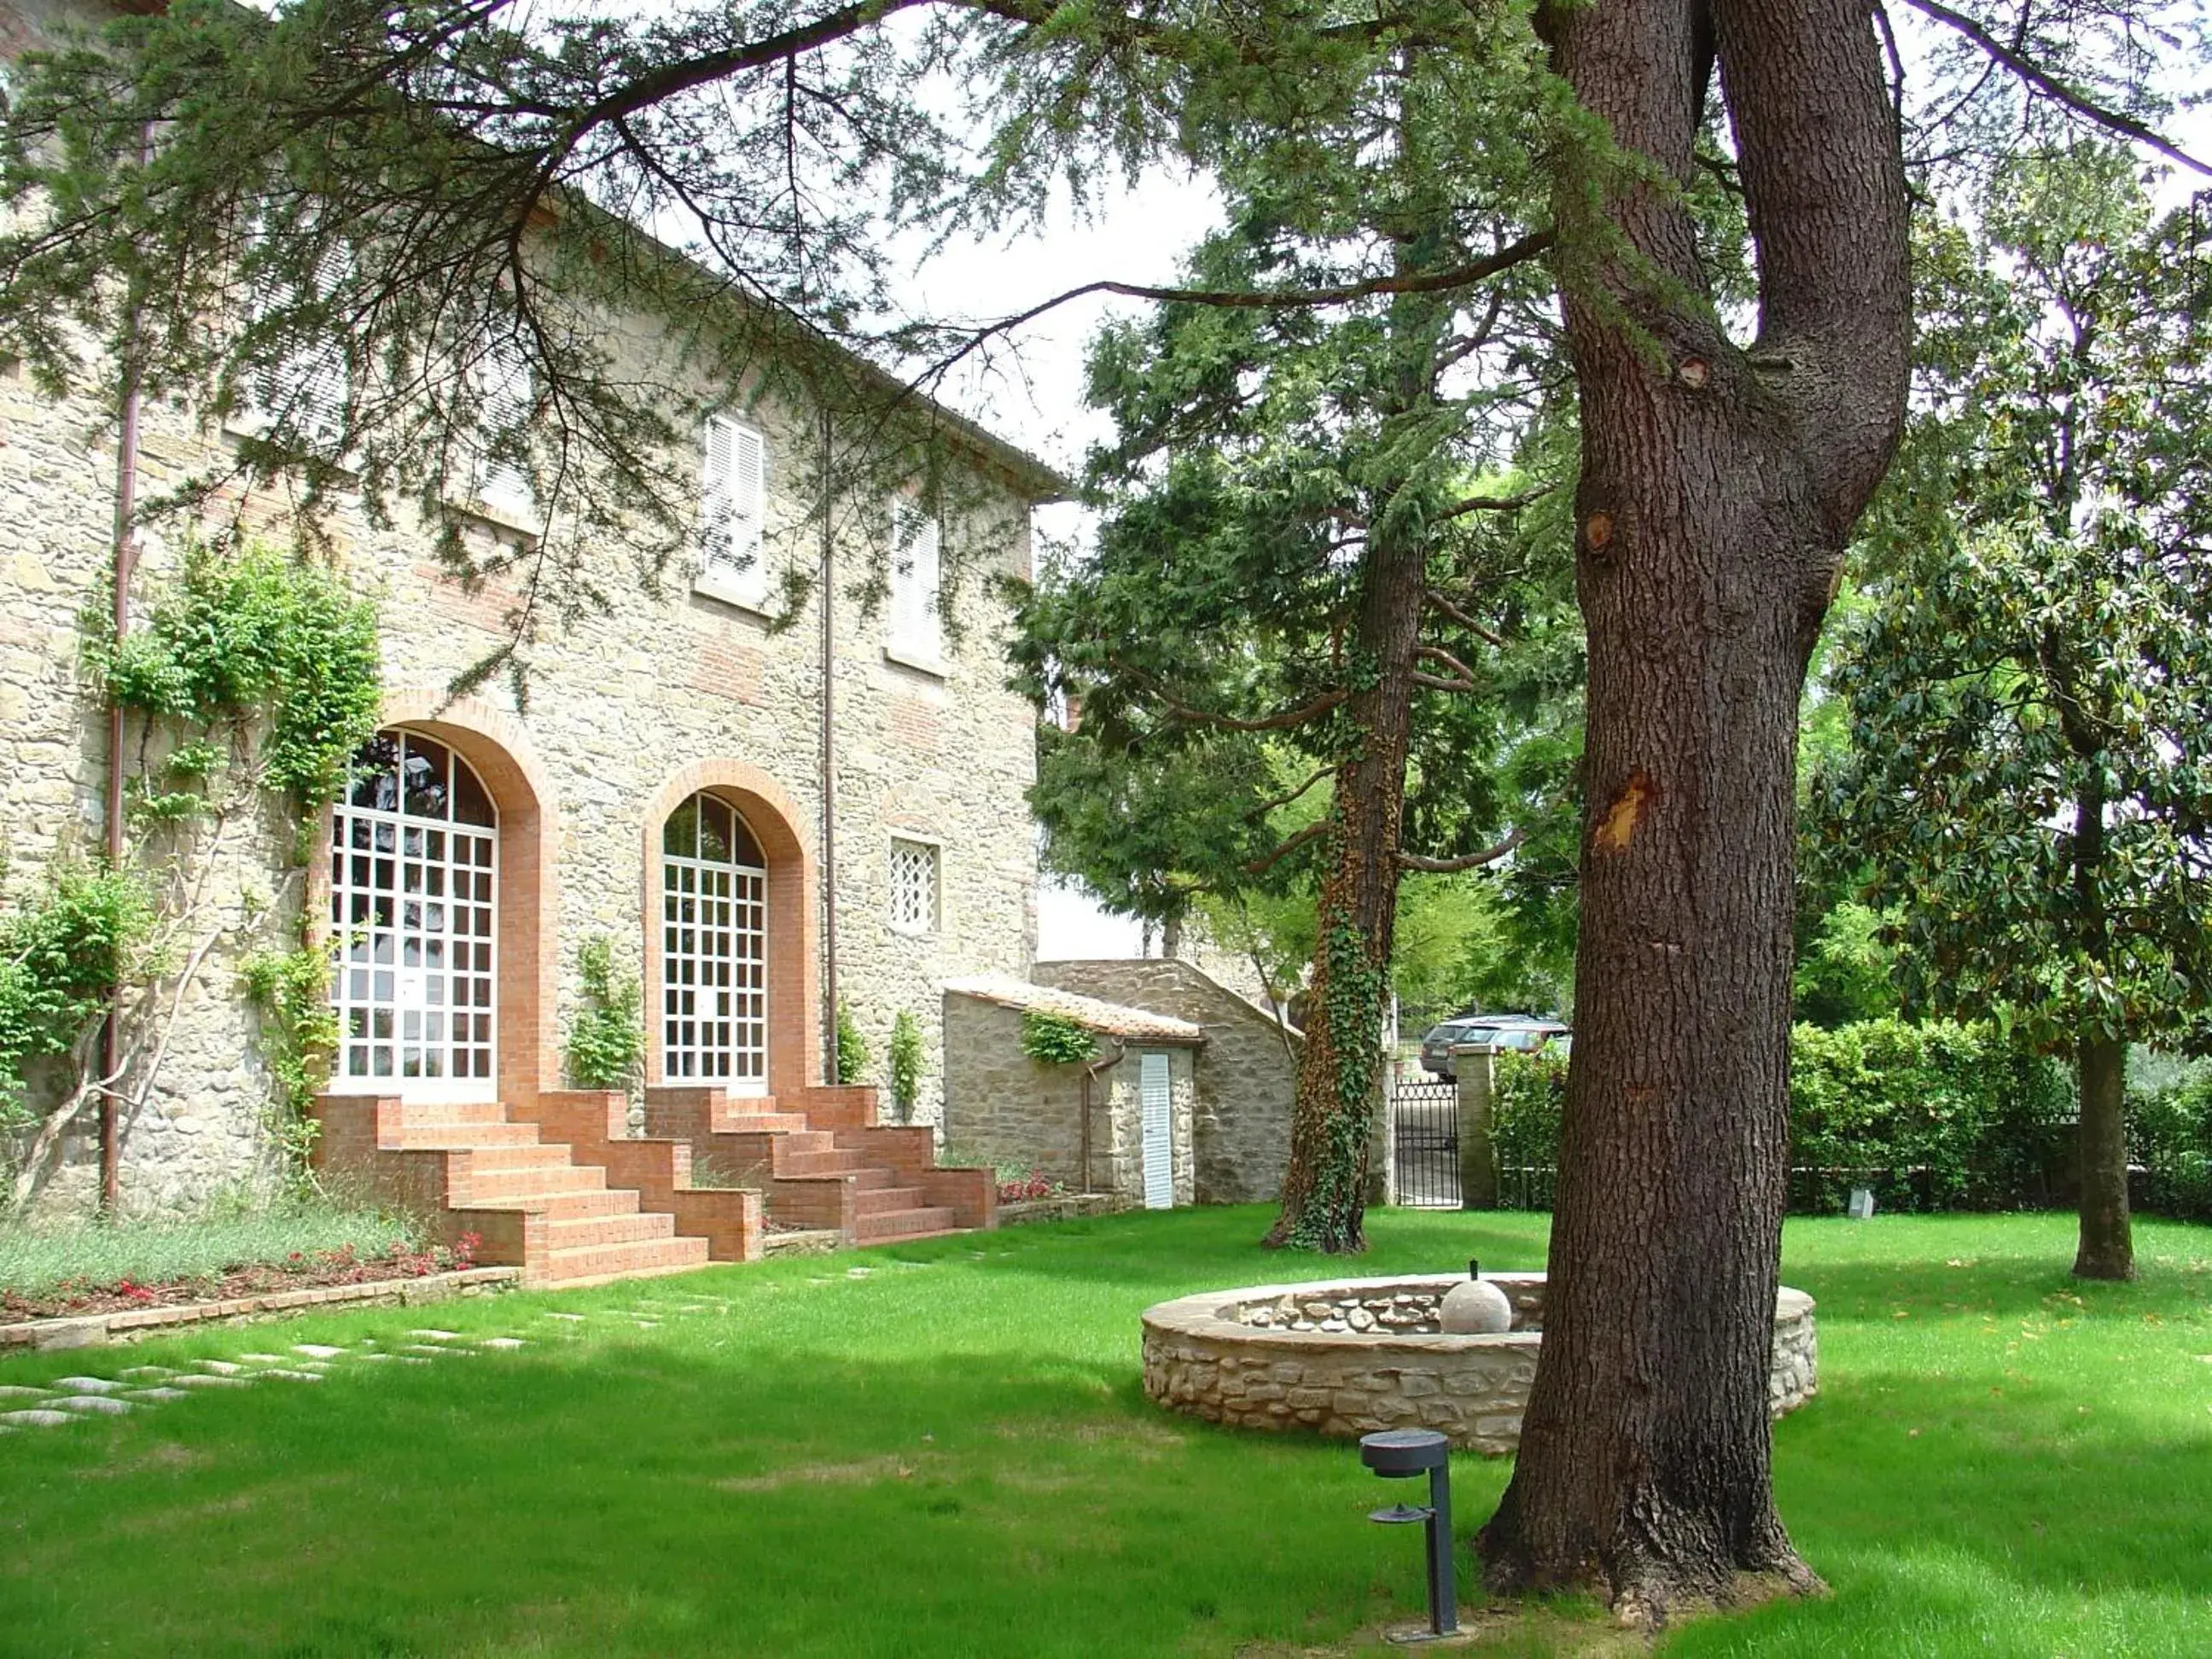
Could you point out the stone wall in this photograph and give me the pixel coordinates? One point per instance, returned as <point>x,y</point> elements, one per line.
<point>619,703</point>
<point>1247,1079</point>
<point>1346,1357</point>
<point>1002,1106</point>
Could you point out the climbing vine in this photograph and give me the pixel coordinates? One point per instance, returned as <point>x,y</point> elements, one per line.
<point>606,1040</point>
<point>1054,1039</point>
<point>291,991</point>
<point>906,1062</point>
<point>253,673</point>
<point>253,634</point>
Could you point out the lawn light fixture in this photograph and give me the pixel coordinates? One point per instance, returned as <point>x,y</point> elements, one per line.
<point>1400,1455</point>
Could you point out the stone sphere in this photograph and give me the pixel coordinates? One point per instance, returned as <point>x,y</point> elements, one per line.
<point>1475,1307</point>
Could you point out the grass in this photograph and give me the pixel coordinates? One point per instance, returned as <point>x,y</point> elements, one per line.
<point>952,1456</point>
<point>35,1258</point>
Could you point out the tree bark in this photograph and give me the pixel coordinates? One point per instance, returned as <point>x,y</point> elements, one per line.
<point>2107,1249</point>
<point>1718,486</point>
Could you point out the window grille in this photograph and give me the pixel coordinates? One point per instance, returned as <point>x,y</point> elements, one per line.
<point>913,886</point>
<point>916,627</point>
<point>733,511</point>
<point>713,961</point>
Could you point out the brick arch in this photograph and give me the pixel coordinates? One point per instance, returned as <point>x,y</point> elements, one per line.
<point>794,1045</point>
<point>496,744</point>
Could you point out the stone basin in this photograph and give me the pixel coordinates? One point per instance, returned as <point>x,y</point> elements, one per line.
<point>1346,1356</point>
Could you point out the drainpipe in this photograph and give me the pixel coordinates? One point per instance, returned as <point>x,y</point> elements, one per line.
<point>126,561</point>
<point>1095,1068</point>
<point>829,775</point>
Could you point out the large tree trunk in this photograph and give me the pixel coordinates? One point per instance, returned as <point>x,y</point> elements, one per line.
<point>2107,1249</point>
<point>1340,1085</point>
<point>1718,487</point>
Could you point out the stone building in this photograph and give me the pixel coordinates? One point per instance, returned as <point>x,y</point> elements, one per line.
<point>1232,1132</point>
<point>1120,1122</point>
<point>672,784</point>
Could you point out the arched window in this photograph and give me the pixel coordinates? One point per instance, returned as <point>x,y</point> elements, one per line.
<point>713,958</point>
<point>414,860</point>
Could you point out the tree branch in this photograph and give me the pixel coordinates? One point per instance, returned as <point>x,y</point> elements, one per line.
<point>1298,716</point>
<point>1497,503</point>
<point>1466,861</point>
<point>1438,682</point>
<point>1496,642</point>
<point>1260,865</point>
<point>2043,82</point>
<point>1438,653</point>
<point>1267,806</point>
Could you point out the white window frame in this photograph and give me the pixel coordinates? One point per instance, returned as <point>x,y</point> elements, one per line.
<point>934,924</point>
<point>732,530</point>
<point>916,621</point>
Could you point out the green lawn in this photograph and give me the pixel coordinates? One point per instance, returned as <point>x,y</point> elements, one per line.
<point>952,1456</point>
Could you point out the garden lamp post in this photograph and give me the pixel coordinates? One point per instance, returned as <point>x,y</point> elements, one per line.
<point>1400,1455</point>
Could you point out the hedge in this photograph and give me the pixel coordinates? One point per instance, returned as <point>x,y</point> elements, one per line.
<point>1940,1117</point>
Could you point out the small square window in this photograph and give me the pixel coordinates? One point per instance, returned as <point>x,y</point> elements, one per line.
<point>914,885</point>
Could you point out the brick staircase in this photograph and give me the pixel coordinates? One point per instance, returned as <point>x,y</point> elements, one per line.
<point>829,1164</point>
<point>534,1204</point>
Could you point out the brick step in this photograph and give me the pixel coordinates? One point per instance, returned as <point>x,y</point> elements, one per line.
<point>565,1264</point>
<point>819,1163</point>
<point>903,1224</point>
<point>885,1200</point>
<point>571,1232</point>
<point>455,1111</point>
<point>874,1178</point>
<point>761,1123</point>
<point>532,1156</point>
<point>441,1136</point>
<point>530,1185</point>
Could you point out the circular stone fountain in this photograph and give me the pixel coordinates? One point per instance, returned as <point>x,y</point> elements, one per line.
<point>1347,1356</point>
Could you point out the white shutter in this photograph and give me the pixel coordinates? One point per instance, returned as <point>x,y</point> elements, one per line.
<point>307,387</point>
<point>1159,1127</point>
<point>916,578</point>
<point>732,510</point>
<point>504,394</point>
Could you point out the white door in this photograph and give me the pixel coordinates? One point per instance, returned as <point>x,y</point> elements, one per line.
<point>414,924</point>
<point>1159,1136</point>
<point>713,950</point>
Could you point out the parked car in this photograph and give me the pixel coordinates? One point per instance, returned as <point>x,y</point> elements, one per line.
<point>1524,1032</point>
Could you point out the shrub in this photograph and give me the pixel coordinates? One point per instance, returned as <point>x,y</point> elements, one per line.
<point>1935,1116</point>
<point>62,957</point>
<point>852,1046</point>
<point>906,1063</point>
<point>2172,1128</point>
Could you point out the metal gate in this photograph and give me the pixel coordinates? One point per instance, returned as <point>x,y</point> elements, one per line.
<point>1425,1144</point>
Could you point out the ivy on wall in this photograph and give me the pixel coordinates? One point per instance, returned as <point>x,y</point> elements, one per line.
<point>1054,1039</point>
<point>254,672</point>
<point>606,1040</point>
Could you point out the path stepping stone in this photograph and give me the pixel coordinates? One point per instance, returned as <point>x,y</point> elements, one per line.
<point>204,1380</point>
<point>96,1405</point>
<point>316,1350</point>
<point>38,1419</point>
<point>12,1392</point>
<point>265,1359</point>
<point>376,1356</point>
<point>87,1385</point>
<point>219,1367</point>
<point>147,1374</point>
<point>505,1342</point>
<point>573,1319</point>
<point>425,1350</point>
<point>296,1376</point>
<point>158,1394</point>
<point>436,1336</point>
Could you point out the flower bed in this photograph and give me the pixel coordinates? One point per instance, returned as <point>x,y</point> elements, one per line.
<point>300,1270</point>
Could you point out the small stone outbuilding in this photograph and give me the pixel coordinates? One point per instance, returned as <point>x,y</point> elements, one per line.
<point>1247,1073</point>
<point>1120,1122</point>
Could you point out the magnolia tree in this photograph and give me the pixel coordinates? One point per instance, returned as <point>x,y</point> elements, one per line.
<point>2030,779</point>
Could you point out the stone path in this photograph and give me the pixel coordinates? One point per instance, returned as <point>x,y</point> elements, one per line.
<point>135,1389</point>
